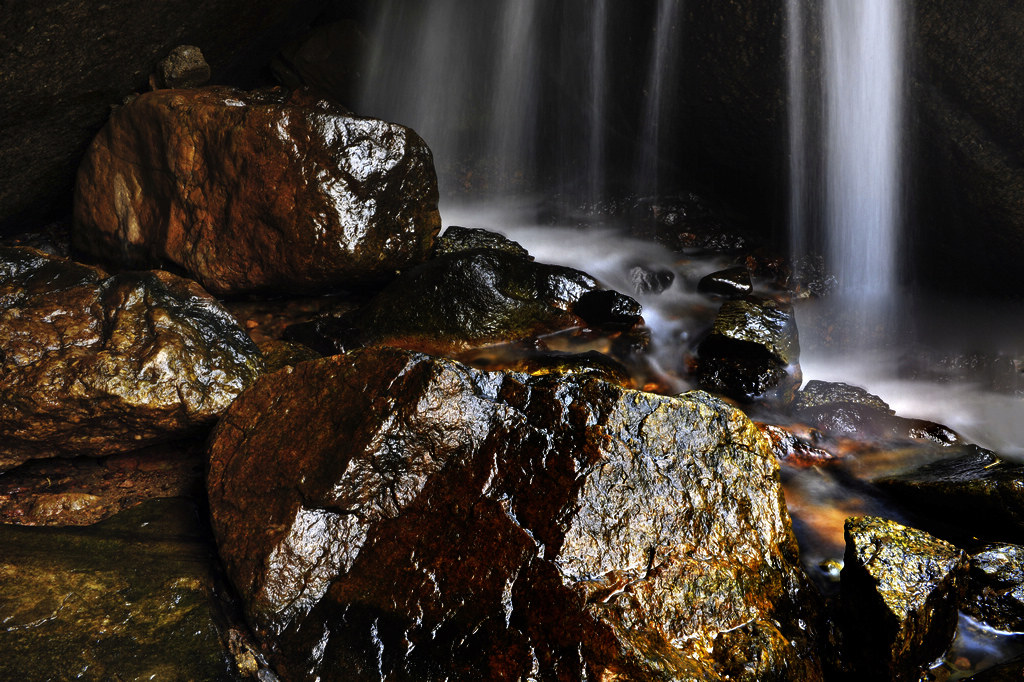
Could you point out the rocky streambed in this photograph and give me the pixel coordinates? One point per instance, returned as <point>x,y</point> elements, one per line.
<point>385,453</point>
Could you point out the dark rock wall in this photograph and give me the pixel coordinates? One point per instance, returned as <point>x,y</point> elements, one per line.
<point>63,63</point>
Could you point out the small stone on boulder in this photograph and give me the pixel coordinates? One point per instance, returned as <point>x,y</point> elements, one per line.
<point>184,67</point>
<point>900,592</point>
<point>260,191</point>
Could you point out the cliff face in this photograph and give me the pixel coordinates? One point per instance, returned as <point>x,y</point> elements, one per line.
<point>64,63</point>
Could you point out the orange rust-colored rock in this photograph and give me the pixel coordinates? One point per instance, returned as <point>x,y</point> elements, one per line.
<point>256,191</point>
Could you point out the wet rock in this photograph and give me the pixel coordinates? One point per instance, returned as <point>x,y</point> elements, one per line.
<point>460,239</point>
<point>751,344</point>
<point>900,591</point>
<point>995,589</point>
<point>184,67</point>
<point>842,410</point>
<point>591,363</point>
<point>817,394</point>
<point>181,177</point>
<point>797,449</point>
<point>460,301</point>
<point>389,515</point>
<point>91,365</point>
<point>975,494</point>
<point>131,598</point>
<point>608,309</point>
<point>730,283</point>
<point>649,281</point>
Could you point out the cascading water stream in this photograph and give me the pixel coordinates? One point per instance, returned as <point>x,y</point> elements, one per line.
<point>863,73</point>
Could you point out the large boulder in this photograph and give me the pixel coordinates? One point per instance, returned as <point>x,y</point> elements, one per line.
<point>387,515</point>
<point>256,191</point>
<point>91,364</point>
<point>66,62</point>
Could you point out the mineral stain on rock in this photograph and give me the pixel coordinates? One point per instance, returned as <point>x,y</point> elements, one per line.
<point>388,515</point>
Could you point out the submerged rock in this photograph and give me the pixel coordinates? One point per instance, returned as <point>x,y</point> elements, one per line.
<point>469,299</point>
<point>92,365</point>
<point>900,592</point>
<point>750,349</point>
<point>730,283</point>
<point>975,491</point>
<point>387,515</point>
<point>649,281</point>
<point>995,589</point>
<point>132,598</point>
<point>256,191</point>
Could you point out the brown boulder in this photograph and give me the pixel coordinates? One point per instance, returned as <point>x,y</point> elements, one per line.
<point>387,515</point>
<point>256,191</point>
<point>92,365</point>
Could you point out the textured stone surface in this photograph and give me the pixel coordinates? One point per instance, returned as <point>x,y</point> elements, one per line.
<point>389,515</point>
<point>747,353</point>
<point>91,364</point>
<point>730,283</point>
<point>132,598</point>
<point>995,589</point>
<point>900,592</point>
<point>65,63</point>
<point>464,300</point>
<point>459,239</point>
<point>256,191</point>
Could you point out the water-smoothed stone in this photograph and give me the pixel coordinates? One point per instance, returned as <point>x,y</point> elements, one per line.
<point>93,364</point>
<point>466,300</point>
<point>995,587</point>
<point>457,239</point>
<point>132,598</point>
<point>974,494</point>
<point>647,280</point>
<point>256,191</point>
<point>730,283</point>
<point>900,592</point>
<point>387,515</point>
<point>752,348</point>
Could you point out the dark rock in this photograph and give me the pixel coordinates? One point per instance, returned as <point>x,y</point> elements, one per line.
<point>131,598</point>
<point>460,239</point>
<point>977,492</point>
<point>818,394</point>
<point>749,349</point>
<point>731,283</point>
<point>900,592</point>
<point>608,309</point>
<point>796,450</point>
<point>92,365</point>
<point>1010,671</point>
<point>591,363</point>
<point>460,301</point>
<point>184,67</point>
<point>649,281</point>
<point>182,176</point>
<point>65,63</point>
<point>995,589</point>
<point>389,515</point>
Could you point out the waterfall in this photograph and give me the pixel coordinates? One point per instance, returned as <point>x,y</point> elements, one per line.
<point>863,89</point>
<point>596,110</point>
<point>796,55</point>
<point>661,77</point>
